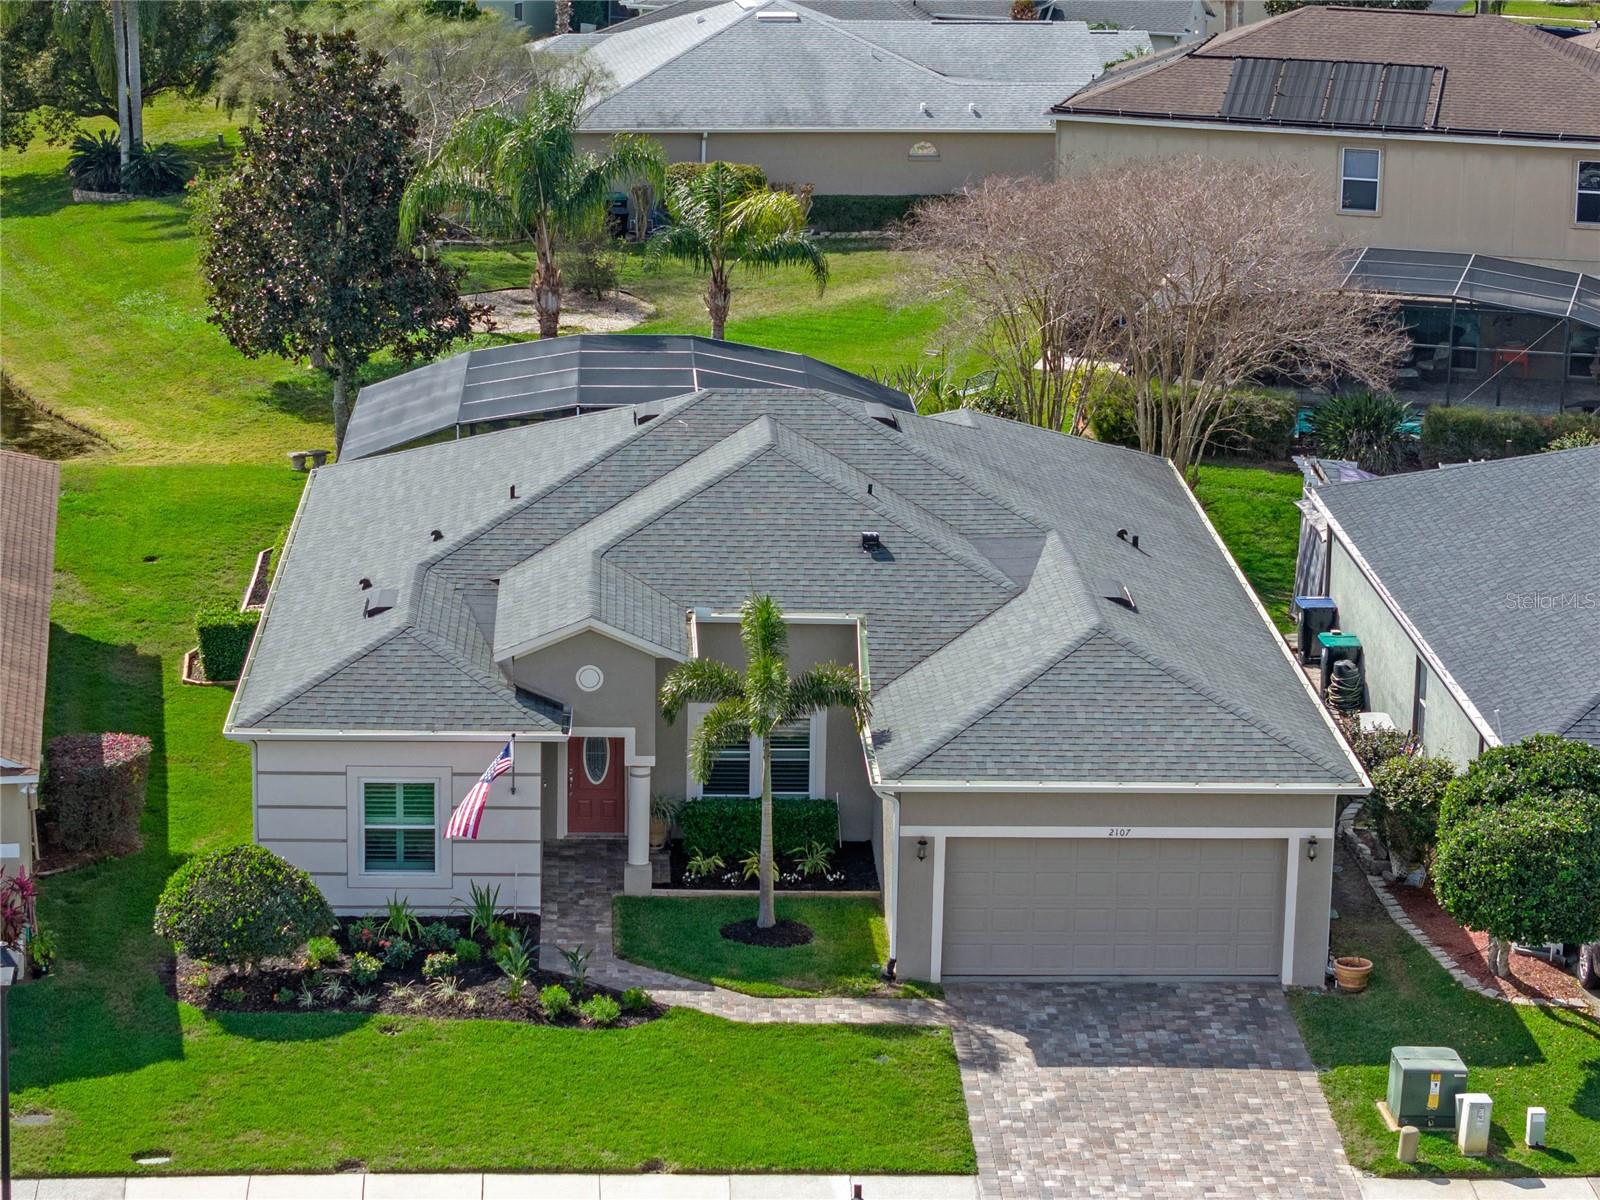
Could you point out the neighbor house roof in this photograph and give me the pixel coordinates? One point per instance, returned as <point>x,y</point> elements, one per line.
<point>1497,566</point>
<point>1367,68</point>
<point>762,64</point>
<point>28,489</point>
<point>520,380</point>
<point>1173,17</point>
<point>1012,635</point>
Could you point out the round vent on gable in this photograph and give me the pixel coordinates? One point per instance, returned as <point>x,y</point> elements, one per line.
<point>590,677</point>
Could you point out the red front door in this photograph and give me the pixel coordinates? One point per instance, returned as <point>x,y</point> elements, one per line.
<point>596,785</point>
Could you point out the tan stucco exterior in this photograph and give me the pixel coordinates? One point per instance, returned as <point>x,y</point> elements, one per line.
<point>1504,198</point>
<point>1288,817</point>
<point>842,162</point>
<point>17,803</point>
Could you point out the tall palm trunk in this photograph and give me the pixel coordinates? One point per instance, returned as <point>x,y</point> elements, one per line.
<point>546,284</point>
<point>766,918</point>
<point>718,297</point>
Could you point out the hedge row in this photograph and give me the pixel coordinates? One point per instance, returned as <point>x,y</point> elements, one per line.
<point>93,793</point>
<point>1261,424</point>
<point>730,826</point>
<point>224,634</point>
<point>858,214</point>
<point>1456,434</point>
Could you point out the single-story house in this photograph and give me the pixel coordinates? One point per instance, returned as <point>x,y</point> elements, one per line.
<point>1475,591</point>
<point>1090,753</point>
<point>891,107</point>
<point>28,491</point>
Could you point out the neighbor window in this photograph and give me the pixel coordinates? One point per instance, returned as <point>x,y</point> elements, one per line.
<point>791,760</point>
<point>398,826</point>
<point>1419,701</point>
<point>731,774</point>
<point>1358,180</point>
<point>1588,212</point>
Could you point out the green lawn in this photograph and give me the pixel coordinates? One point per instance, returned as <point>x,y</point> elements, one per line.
<point>1520,1055</point>
<point>682,934</point>
<point>1253,510</point>
<point>1545,11</point>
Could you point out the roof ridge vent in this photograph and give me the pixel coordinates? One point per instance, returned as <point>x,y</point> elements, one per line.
<point>1117,592</point>
<point>778,16</point>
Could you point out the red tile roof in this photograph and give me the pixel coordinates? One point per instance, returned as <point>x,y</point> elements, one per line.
<point>1499,77</point>
<point>28,489</point>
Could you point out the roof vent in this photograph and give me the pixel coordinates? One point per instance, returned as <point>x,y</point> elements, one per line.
<point>436,535</point>
<point>871,543</point>
<point>1117,592</point>
<point>1131,538</point>
<point>924,110</point>
<point>380,601</point>
<point>648,411</point>
<point>365,583</point>
<point>778,16</point>
<point>973,109</point>
<point>513,491</point>
<point>883,414</point>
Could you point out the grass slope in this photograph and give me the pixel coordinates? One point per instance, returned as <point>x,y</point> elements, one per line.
<point>1519,1054</point>
<point>124,1068</point>
<point>682,935</point>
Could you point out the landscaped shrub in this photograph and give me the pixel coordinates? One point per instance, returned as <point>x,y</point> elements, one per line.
<point>1452,435</point>
<point>94,786</point>
<point>95,163</point>
<point>635,998</point>
<point>224,634</point>
<point>364,968</point>
<point>1112,419</point>
<point>241,905</point>
<point>555,1000</point>
<point>436,935</point>
<point>1537,769</point>
<point>1367,428</point>
<point>730,826</point>
<point>601,1010</point>
<point>398,954</point>
<point>320,951</point>
<point>858,214</point>
<point>468,952</point>
<point>1374,747</point>
<point>438,964</point>
<point>1404,805</point>
<point>1259,425</point>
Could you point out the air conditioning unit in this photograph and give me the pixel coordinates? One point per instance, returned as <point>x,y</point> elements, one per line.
<point>1424,1082</point>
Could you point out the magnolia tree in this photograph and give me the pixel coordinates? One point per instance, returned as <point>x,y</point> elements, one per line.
<point>1187,277</point>
<point>1519,846</point>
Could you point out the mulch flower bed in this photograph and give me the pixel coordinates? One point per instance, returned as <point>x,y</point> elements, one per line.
<point>779,936</point>
<point>1531,978</point>
<point>469,989</point>
<point>851,870</point>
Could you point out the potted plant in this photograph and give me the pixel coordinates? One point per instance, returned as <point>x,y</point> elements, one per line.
<point>1351,973</point>
<point>663,809</point>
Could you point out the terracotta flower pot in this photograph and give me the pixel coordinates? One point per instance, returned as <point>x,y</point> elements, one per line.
<point>659,828</point>
<point>1351,973</point>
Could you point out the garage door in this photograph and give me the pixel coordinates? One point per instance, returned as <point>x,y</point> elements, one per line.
<point>1140,906</point>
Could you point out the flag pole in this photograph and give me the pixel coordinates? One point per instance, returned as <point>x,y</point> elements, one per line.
<point>516,871</point>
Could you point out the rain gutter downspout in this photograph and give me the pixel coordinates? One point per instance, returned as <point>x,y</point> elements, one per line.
<point>891,832</point>
<point>704,135</point>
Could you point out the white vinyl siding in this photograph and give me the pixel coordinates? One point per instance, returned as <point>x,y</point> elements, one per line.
<point>399,826</point>
<point>1359,170</point>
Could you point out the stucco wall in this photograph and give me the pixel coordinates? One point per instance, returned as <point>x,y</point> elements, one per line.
<point>16,827</point>
<point>626,699</point>
<point>1506,199</point>
<point>867,164</point>
<point>1130,812</point>
<point>1389,657</point>
<point>307,810</point>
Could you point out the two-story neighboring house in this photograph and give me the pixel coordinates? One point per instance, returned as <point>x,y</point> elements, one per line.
<point>1460,153</point>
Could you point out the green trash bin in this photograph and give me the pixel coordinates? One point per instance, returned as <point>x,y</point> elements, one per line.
<point>1337,647</point>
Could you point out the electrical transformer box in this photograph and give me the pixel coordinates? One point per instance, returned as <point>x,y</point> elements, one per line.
<point>1423,1084</point>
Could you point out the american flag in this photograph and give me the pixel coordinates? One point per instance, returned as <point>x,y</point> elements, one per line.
<point>468,815</point>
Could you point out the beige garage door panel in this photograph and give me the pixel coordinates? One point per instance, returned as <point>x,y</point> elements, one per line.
<point>1139,906</point>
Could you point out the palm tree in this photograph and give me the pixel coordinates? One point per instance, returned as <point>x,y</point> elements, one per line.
<point>523,178</point>
<point>720,222</point>
<point>764,698</point>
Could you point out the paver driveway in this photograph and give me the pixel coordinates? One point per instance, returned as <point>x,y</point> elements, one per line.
<point>1091,1090</point>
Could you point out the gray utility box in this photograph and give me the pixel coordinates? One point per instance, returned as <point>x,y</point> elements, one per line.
<point>1423,1084</point>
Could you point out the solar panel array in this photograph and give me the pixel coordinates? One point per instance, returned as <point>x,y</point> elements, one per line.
<point>1324,91</point>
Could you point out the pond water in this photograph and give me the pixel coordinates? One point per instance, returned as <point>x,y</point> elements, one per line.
<point>26,427</point>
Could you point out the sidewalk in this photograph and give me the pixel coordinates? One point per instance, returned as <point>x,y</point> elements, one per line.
<point>1481,1189</point>
<point>504,1187</point>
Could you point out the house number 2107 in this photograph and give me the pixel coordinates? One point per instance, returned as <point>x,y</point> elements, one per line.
<point>1119,831</point>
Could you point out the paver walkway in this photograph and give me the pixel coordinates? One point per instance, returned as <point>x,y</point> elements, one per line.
<point>1092,1090</point>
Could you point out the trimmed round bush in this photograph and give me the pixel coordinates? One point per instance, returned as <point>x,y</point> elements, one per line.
<point>240,906</point>
<point>1544,766</point>
<point>94,786</point>
<point>1527,871</point>
<point>1406,791</point>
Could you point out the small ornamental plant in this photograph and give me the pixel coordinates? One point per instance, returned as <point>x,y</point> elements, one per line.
<point>439,964</point>
<point>397,953</point>
<point>600,1010</point>
<point>555,1000</point>
<point>364,968</point>
<point>240,906</point>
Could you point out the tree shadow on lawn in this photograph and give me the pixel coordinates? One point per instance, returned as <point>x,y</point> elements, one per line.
<point>106,1008</point>
<point>293,1026</point>
<point>25,193</point>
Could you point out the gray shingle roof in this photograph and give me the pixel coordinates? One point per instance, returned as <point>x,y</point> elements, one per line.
<point>994,652</point>
<point>729,67</point>
<point>28,489</point>
<point>1497,564</point>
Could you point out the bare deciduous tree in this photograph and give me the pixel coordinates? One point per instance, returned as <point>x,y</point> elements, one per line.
<point>1193,277</point>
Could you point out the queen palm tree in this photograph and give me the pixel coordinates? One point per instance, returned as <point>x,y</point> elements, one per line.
<point>754,704</point>
<point>720,222</point>
<point>522,178</point>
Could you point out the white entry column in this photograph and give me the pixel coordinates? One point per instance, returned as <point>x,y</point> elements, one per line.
<point>636,875</point>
